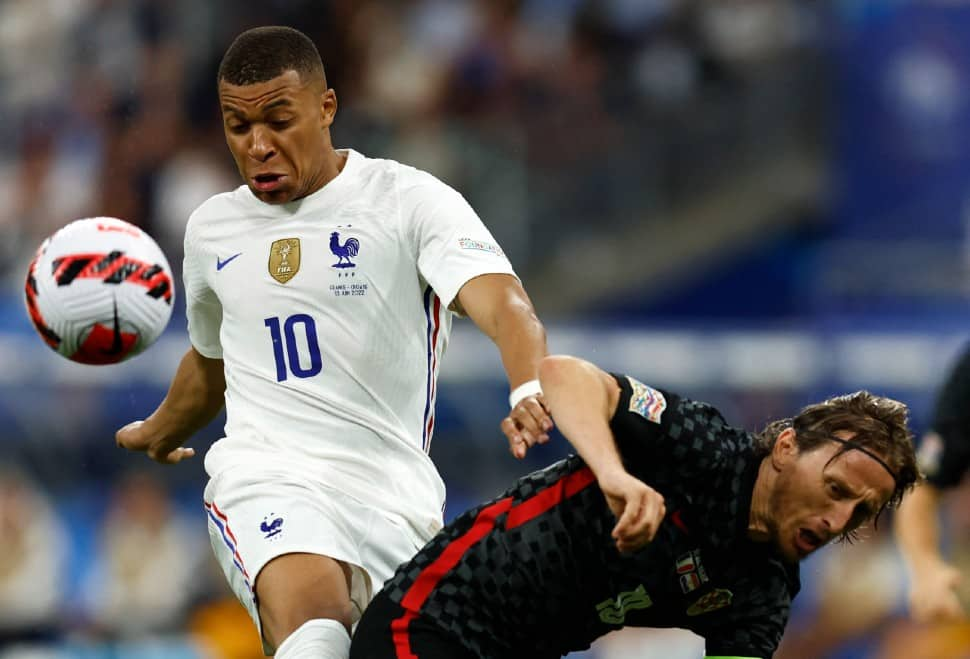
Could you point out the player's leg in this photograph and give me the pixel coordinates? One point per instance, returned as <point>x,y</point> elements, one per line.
<point>316,639</point>
<point>304,606</point>
<point>289,551</point>
<point>386,631</point>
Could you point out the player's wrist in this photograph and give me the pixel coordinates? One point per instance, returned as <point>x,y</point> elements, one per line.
<point>524,390</point>
<point>609,473</point>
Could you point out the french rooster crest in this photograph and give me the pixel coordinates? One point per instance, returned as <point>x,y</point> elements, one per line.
<point>343,252</point>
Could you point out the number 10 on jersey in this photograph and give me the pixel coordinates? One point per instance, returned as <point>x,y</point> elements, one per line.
<point>289,360</point>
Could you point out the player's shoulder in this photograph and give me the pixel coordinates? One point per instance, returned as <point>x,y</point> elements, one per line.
<point>643,407</point>
<point>656,402</point>
<point>407,179</point>
<point>219,206</point>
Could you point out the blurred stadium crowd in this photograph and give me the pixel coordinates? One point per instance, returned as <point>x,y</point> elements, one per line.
<point>573,127</point>
<point>546,113</point>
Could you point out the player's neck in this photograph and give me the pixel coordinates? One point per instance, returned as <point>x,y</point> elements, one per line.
<point>332,166</point>
<point>760,497</point>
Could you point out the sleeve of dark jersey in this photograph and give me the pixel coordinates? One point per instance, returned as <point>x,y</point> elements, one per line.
<point>643,431</point>
<point>951,421</point>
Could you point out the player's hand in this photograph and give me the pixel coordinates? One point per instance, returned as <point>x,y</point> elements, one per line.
<point>526,425</point>
<point>933,595</point>
<point>638,507</point>
<point>136,436</point>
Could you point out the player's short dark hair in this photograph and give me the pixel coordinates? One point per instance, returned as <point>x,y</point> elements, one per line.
<point>263,53</point>
<point>880,425</point>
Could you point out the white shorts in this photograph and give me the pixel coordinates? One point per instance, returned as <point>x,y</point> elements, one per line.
<point>255,517</point>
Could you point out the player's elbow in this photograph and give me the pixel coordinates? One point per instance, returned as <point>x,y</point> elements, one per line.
<point>559,371</point>
<point>551,368</point>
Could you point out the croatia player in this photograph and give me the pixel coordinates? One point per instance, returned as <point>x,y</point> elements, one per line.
<point>319,298</point>
<point>667,517</point>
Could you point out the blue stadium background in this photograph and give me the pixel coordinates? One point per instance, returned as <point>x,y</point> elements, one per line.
<point>753,202</point>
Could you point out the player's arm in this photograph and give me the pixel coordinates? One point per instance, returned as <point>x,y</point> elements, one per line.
<point>194,398</point>
<point>582,399</point>
<point>501,309</point>
<point>933,581</point>
<point>944,458</point>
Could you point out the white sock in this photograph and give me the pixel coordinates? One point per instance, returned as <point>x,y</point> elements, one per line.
<point>316,639</point>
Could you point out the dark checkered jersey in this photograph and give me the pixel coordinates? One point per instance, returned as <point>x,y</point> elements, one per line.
<point>535,573</point>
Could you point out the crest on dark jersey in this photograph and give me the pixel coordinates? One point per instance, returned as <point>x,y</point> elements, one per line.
<point>712,601</point>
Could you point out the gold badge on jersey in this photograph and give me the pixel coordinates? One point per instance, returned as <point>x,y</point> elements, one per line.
<point>284,259</point>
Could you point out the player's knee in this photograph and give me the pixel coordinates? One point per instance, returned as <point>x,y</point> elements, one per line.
<point>316,639</point>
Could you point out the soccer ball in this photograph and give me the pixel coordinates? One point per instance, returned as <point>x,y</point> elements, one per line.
<point>99,290</point>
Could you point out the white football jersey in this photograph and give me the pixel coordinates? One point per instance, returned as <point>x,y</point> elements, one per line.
<point>331,313</point>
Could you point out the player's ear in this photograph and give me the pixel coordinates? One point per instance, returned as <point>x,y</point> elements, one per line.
<point>328,107</point>
<point>785,449</point>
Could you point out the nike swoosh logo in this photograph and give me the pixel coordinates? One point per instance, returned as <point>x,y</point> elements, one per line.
<point>220,264</point>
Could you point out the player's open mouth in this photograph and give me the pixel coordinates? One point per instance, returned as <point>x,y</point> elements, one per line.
<point>267,182</point>
<point>807,541</point>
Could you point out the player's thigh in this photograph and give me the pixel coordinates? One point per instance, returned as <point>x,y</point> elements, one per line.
<point>386,631</point>
<point>294,588</point>
<point>257,518</point>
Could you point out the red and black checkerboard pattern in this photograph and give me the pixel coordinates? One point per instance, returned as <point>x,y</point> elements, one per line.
<point>529,573</point>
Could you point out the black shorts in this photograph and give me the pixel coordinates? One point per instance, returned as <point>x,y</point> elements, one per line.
<point>387,631</point>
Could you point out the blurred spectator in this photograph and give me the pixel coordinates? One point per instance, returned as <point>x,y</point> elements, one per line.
<point>196,172</point>
<point>33,555</point>
<point>148,565</point>
<point>223,627</point>
<point>908,640</point>
<point>35,51</point>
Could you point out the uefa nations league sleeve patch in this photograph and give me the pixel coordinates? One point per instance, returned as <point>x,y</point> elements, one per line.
<point>646,401</point>
<point>480,246</point>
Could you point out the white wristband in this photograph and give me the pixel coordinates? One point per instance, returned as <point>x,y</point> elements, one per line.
<point>524,390</point>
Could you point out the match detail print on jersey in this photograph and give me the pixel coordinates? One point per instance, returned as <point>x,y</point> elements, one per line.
<point>646,401</point>
<point>284,259</point>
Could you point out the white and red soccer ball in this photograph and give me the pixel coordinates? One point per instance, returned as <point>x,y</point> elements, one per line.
<point>99,290</point>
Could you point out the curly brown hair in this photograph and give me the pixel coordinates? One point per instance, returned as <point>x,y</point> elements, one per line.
<point>880,426</point>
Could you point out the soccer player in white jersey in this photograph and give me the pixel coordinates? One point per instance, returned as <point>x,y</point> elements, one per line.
<point>319,298</point>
